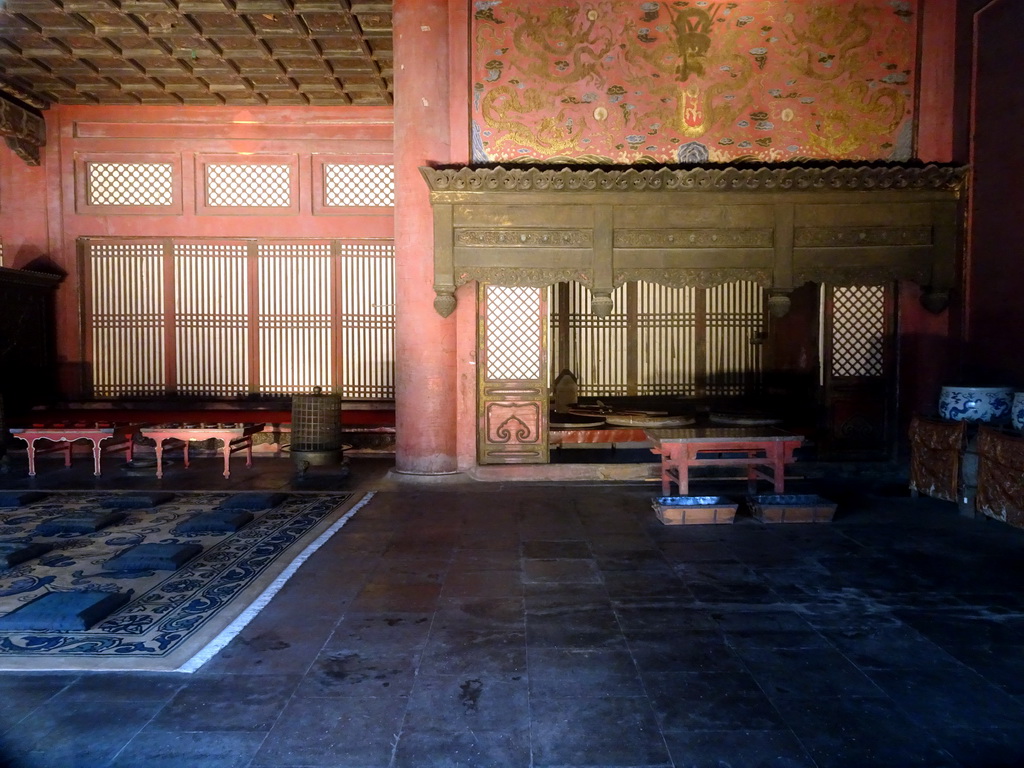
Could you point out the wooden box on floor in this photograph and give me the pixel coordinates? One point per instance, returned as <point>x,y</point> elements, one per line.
<point>694,510</point>
<point>791,508</point>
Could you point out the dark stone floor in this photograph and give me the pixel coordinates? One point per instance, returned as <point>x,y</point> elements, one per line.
<point>460,624</point>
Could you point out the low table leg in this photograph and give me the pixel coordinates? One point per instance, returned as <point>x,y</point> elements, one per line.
<point>159,458</point>
<point>31,444</point>
<point>96,457</point>
<point>227,457</point>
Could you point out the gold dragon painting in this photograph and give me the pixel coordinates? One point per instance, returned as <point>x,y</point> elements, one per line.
<point>630,81</point>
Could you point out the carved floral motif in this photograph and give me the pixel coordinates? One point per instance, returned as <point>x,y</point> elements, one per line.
<point>866,236</point>
<point>698,278</point>
<point>529,277</point>
<point>720,179</point>
<point>554,238</point>
<point>693,238</point>
<point>862,275</point>
<point>513,423</point>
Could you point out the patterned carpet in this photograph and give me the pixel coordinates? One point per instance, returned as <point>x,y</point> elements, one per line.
<point>179,603</point>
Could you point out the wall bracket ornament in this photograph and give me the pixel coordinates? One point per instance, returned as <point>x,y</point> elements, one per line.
<point>24,132</point>
<point>779,226</point>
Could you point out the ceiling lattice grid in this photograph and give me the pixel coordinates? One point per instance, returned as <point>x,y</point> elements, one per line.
<point>196,52</point>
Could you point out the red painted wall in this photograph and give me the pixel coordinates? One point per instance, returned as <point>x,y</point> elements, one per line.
<point>23,210</point>
<point>43,210</point>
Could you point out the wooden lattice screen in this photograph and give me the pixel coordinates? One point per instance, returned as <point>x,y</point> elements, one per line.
<point>239,317</point>
<point>661,340</point>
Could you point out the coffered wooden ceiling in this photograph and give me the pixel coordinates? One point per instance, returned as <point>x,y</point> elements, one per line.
<point>201,52</point>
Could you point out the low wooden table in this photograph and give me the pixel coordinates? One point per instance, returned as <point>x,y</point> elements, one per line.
<point>756,448</point>
<point>63,436</point>
<point>235,437</point>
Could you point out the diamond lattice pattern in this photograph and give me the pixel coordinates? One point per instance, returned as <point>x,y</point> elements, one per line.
<point>248,185</point>
<point>130,183</point>
<point>359,185</point>
<point>513,333</point>
<point>858,330</point>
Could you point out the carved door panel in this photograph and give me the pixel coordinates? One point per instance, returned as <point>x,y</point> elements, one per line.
<point>512,366</point>
<point>858,362</point>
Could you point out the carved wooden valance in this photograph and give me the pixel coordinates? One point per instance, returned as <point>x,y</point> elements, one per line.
<point>777,226</point>
<point>23,131</point>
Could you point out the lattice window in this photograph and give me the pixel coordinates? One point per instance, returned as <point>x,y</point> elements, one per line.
<point>666,340</point>
<point>211,319</point>
<point>661,340</point>
<point>359,185</point>
<point>244,317</point>
<point>367,320</point>
<point>514,340</point>
<point>295,317</point>
<point>130,183</point>
<point>127,319</point>
<point>248,185</point>
<point>598,346</point>
<point>735,329</point>
<point>858,330</point>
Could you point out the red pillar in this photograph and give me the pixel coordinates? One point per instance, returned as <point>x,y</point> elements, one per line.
<point>425,361</point>
<point>927,345</point>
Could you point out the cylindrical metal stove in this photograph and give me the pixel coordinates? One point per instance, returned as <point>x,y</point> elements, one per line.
<point>316,430</point>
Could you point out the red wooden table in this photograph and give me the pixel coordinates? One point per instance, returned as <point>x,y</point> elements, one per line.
<point>236,437</point>
<point>63,436</point>
<point>764,451</point>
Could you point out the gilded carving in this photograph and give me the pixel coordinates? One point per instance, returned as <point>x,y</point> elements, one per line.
<point>807,237</point>
<point>512,423</point>
<point>529,277</point>
<point>693,238</point>
<point>1000,479</point>
<point>723,179</point>
<point>935,451</point>
<point>532,238</point>
<point>698,278</point>
<point>23,131</point>
<point>861,275</point>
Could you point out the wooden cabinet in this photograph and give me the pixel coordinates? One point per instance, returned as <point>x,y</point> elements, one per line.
<point>28,365</point>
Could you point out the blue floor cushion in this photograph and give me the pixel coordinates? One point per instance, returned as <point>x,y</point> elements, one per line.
<point>225,521</point>
<point>64,610</point>
<point>154,557</point>
<point>135,500</point>
<point>83,521</point>
<point>14,552</point>
<point>253,501</point>
<point>19,498</point>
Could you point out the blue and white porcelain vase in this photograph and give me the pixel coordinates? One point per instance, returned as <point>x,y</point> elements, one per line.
<point>987,404</point>
<point>1017,411</point>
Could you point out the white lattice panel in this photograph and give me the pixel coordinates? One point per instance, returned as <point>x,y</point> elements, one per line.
<point>359,185</point>
<point>597,345</point>
<point>666,340</point>
<point>130,184</point>
<point>127,319</point>
<point>211,319</point>
<point>858,330</point>
<point>513,338</point>
<point>735,327</point>
<point>294,315</point>
<point>368,321</point>
<point>248,185</point>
